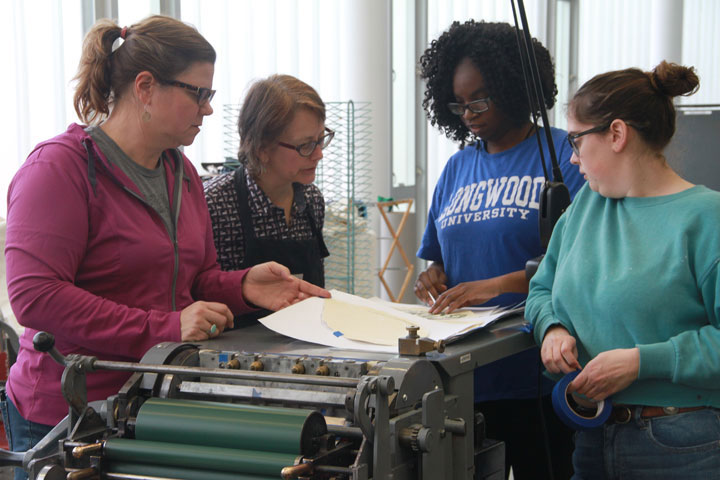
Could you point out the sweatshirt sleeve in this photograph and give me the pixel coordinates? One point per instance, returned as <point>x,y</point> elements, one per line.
<point>47,237</point>
<point>539,305</point>
<point>692,357</point>
<point>214,285</point>
<point>211,283</point>
<point>430,245</point>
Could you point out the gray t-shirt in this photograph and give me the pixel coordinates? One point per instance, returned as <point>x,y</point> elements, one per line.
<point>152,183</point>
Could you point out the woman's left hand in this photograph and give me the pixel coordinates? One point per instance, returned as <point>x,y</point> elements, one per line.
<point>607,373</point>
<point>464,294</point>
<point>272,286</point>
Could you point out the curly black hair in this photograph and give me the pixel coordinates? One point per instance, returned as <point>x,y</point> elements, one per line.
<point>493,49</point>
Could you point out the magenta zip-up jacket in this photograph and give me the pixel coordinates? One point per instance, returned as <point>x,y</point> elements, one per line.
<point>90,262</point>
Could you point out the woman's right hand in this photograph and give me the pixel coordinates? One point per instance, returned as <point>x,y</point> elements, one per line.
<point>559,351</point>
<point>197,320</point>
<point>432,281</point>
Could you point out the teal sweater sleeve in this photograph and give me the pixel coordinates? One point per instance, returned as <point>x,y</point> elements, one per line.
<point>539,310</point>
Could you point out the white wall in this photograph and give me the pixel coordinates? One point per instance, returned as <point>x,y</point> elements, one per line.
<point>40,48</point>
<point>617,34</point>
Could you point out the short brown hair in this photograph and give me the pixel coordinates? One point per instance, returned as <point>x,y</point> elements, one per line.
<point>643,99</point>
<point>269,107</point>
<point>161,45</point>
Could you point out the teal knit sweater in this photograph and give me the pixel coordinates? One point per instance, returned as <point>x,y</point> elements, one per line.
<point>639,272</point>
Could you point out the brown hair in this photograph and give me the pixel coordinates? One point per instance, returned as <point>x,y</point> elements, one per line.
<point>642,99</point>
<point>163,46</point>
<point>269,107</point>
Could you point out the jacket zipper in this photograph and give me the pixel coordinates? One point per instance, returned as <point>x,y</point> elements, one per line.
<point>176,253</point>
<point>179,175</point>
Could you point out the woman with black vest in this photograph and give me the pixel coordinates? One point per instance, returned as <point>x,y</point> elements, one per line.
<point>269,208</point>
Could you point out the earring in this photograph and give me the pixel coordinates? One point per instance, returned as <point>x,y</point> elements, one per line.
<point>145,116</point>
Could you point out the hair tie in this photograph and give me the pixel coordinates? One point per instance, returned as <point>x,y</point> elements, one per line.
<point>119,40</point>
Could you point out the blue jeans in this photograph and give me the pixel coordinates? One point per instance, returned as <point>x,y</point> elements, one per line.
<point>21,434</point>
<point>681,446</point>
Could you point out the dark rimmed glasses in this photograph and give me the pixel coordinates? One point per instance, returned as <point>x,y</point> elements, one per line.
<point>574,136</point>
<point>306,149</point>
<point>476,106</point>
<point>204,95</point>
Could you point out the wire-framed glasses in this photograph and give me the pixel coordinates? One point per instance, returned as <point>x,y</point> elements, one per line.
<point>306,149</point>
<point>476,106</point>
<point>204,95</point>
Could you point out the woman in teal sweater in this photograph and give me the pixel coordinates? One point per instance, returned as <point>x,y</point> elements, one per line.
<point>629,291</point>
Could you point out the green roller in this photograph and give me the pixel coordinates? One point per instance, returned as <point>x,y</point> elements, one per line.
<point>197,457</point>
<point>230,425</point>
<point>181,473</point>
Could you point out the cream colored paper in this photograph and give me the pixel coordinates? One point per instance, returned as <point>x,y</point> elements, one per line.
<point>306,321</point>
<point>365,324</point>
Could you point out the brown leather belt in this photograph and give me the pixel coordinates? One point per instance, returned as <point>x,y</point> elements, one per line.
<point>624,413</point>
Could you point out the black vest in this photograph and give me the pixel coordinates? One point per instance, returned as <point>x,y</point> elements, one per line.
<point>302,257</point>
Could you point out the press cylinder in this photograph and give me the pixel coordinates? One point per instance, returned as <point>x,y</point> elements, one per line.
<point>197,457</point>
<point>229,425</point>
<point>164,471</point>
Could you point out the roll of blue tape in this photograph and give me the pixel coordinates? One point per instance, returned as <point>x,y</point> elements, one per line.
<point>568,415</point>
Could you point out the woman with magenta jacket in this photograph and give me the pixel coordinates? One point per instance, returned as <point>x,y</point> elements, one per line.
<point>109,242</point>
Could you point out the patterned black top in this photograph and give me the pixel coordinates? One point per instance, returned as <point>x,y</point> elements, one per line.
<point>267,218</point>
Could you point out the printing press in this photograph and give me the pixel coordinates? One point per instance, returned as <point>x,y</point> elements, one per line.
<point>252,404</point>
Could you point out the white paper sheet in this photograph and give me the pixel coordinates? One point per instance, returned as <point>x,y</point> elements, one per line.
<point>304,321</point>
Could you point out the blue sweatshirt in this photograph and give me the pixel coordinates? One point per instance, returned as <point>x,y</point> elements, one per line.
<point>639,272</point>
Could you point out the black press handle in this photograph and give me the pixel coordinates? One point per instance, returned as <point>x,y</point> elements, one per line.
<point>45,342</point>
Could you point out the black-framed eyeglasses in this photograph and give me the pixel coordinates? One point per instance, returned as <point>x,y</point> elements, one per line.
<point>574,136</point>
<point>476,106</point>
<point>306,149</point>
<point>204,95</point>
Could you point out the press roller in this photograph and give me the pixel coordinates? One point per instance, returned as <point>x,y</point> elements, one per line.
<point>225,425</point>
<point>198,437</point>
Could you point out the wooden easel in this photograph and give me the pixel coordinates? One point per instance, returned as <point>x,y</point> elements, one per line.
<point>382,206</point>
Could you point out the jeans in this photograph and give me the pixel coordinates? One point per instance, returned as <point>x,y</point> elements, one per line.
<point>21,434</point>
<point>681,446</point>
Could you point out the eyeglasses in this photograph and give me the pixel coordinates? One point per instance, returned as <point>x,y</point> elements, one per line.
<point>306,149</point>
<point>574,136</point>
<point>476,106</point>
<point>204,95</point>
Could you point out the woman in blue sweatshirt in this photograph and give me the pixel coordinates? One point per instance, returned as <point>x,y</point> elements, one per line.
<point>483,222</point>
<point>629,291</point>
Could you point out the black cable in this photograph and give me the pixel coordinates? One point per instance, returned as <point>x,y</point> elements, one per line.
<point>554,196</point>
<point>536,92</point>
<point>529,87</point>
